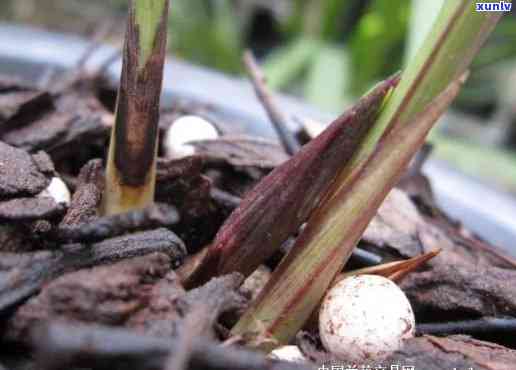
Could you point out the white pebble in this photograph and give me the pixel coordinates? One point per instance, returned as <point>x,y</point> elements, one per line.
<point>184,130</point>
<point>58,191</point>
<point>288,353</point>
<point>364,318</point>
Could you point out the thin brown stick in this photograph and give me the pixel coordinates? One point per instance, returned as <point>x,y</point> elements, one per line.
<point>277,117</point>
<point>486,325</point>
<point>75,74</point>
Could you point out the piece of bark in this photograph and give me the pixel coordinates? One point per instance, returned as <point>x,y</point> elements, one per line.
<point>454,352</point>
<point>30,209</point>
<point>82,130</point>
<point>22,275</point>
<point>19,175</point>
<point>152,217</point>
<point>41,133</point>
<point>241,151</point>
<point>181,184</point>
<point>44,163</point>
<point>465,281</point>
<point>62,347</point>
<point>400,230</point>
<point>161,316</point>
<point>87,196</point>
<point>105,295</point>
<point>14,238</point>
<point>20,105</point>
<point>461,291</point>
<point>128,246</point>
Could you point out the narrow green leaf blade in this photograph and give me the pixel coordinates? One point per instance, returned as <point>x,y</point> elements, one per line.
<point>447,52</point>
<point>320,252</point>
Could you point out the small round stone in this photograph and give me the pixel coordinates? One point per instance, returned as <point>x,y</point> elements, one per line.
<point>58,191</point>
<point>184,130</point>
<point>365,318</point>
<point>288,353</point>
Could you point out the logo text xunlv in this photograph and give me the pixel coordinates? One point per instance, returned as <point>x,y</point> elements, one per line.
<point>494,7</point>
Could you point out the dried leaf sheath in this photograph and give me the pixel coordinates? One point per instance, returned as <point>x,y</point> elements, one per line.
<point>130,174</point>
<point>320,252</point>
<point>282,201</point>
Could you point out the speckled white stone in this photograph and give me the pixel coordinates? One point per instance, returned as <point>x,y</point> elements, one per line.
<point>184,130</point>
<point>364,318</point>
<point>58,191</point>
<point>288,353</point>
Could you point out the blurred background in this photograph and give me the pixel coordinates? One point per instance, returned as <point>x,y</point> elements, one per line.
<point>327,52</point>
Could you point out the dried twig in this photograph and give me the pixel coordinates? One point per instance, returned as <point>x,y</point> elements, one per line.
<point>487,325</point>
<point>276,116</point>
<point>60,346</point>
<point>75,74</point>
<point>152,217</point>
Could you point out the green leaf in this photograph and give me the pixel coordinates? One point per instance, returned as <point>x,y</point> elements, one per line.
<point>377,44</point>
<point>320,252</point>
<point>447,52</point>
<point>286,64</point>
<point>148,16</point>
<point>279,204</point>
<point>327,79</point>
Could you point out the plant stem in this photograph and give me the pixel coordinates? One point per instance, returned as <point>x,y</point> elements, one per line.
<point>131,166</point>
<point>448,50</point>
<point>281,202</point>
<point>299,282</point>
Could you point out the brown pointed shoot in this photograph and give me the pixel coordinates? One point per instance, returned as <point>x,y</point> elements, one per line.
<point>131,166</point>
<point>320,252</point>
<point>283,200</point>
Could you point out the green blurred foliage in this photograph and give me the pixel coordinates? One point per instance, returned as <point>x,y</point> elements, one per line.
<point>326,51</point>
<point>378,42</point>
<point>207,33</point>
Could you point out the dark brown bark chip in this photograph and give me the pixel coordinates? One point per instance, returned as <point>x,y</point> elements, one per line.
<point>166,308</point>
<point>60,346</point>
<point>22,275</point>
<point>87,196</point>
<point>160,316</point>
<point>241,151</point>
<point>152,217</point>
<point>454,352</point>
<point>15,238</point>
<point>461,290</point>
<point>106,295</point>
<point>40,134</point>
<point>44,163</point>
<point>141,293</point>
<point>467,280</point>
<point>19,106</point>
<point>82,130</point>
<point>181,184</point>
<point>128,246</point>
<point>30,209</point>
<point>19,175</point>
<point>399,230</point>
